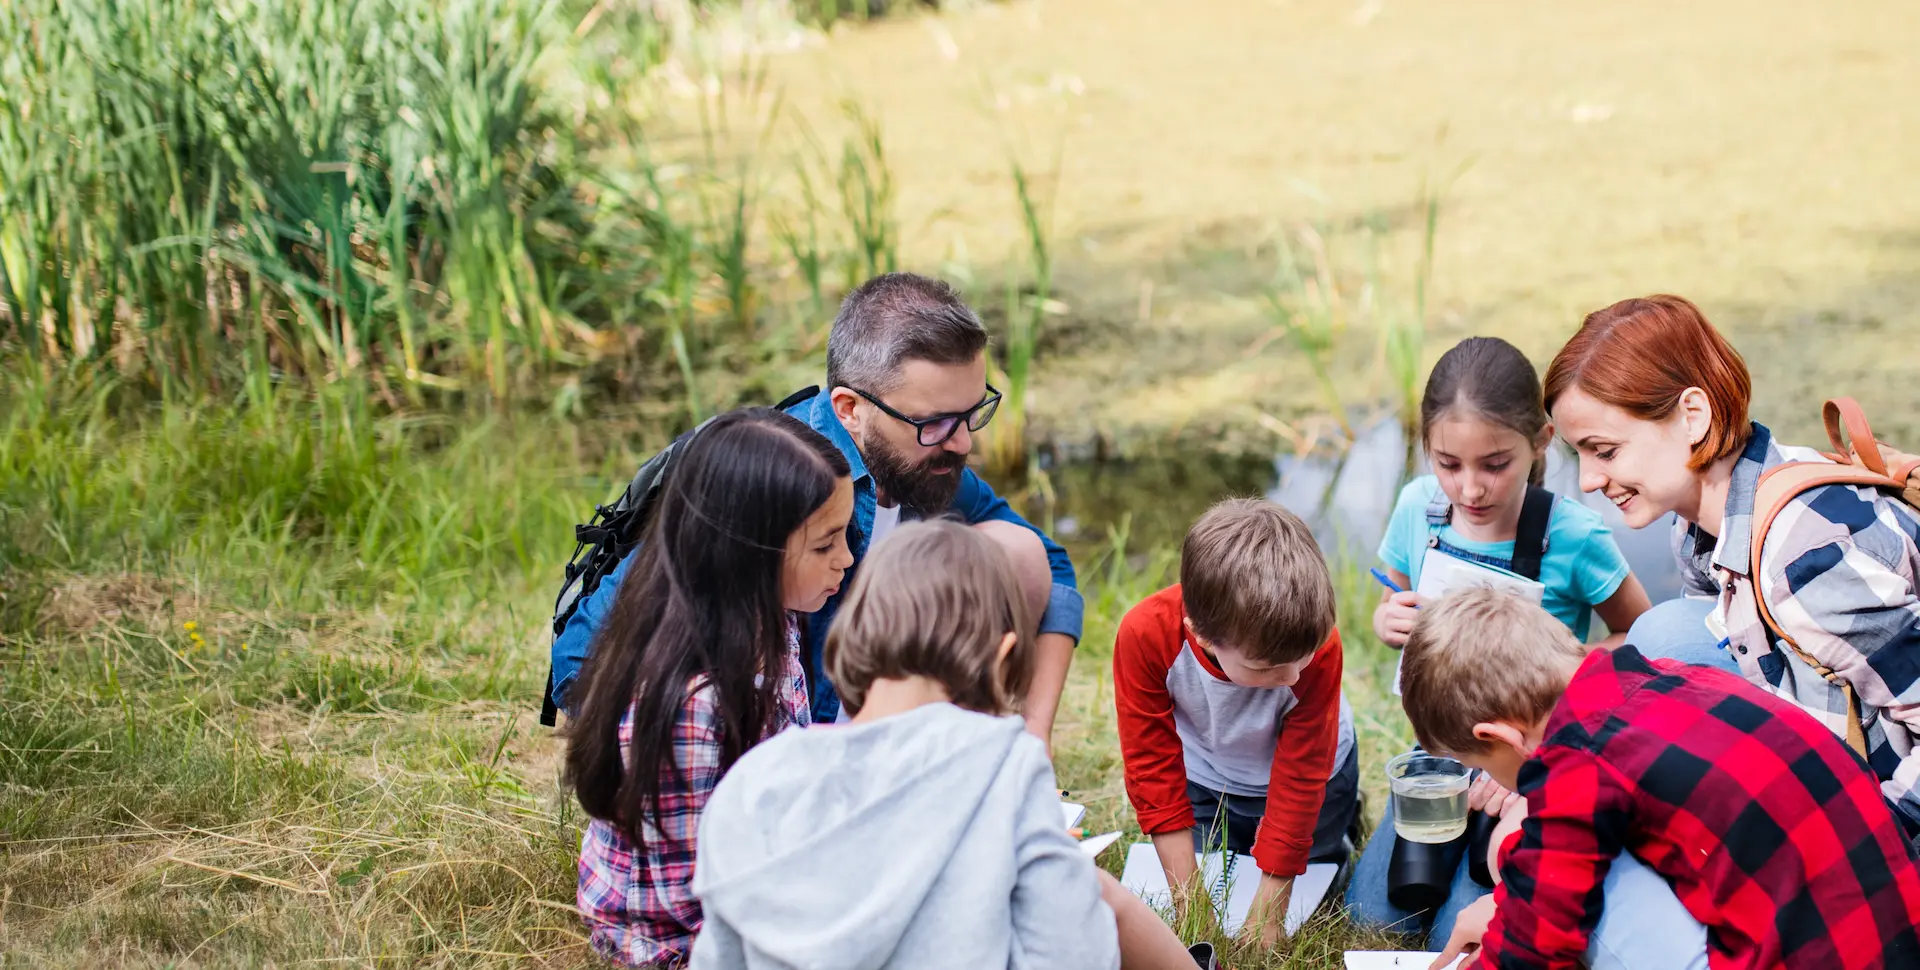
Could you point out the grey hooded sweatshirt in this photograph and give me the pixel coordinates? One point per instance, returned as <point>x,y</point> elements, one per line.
<point>926,840</point>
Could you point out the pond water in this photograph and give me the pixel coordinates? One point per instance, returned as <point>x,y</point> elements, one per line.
<point>1346,497</point>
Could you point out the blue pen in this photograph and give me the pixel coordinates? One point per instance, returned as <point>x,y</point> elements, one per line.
<point>1386,581</point>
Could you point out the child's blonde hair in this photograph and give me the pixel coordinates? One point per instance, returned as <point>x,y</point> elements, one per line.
<point>1483,655</point>
<point>935,599</point>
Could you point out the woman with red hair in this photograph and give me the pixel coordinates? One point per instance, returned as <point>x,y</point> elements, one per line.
<point>1654,401</point>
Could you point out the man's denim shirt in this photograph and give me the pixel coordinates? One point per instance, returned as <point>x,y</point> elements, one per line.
<point>974,502</point>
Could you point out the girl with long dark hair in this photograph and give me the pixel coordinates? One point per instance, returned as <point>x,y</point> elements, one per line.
<point>698,662</point>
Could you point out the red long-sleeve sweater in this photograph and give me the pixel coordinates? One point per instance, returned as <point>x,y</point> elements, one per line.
<point>1169,712</point>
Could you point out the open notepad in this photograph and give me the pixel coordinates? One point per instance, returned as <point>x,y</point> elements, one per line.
<point>1441,574</point>
<point>1232,881</point>
<point>1092,845</point>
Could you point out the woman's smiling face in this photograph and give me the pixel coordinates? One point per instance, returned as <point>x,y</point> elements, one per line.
<point>1639,465</point>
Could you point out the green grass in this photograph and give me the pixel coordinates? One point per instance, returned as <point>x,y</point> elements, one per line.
<point>299,306</point>
<point>339,761</point>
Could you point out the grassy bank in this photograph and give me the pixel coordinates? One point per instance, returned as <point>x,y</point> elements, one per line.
<point>270,673</point>
<point>319,329</point>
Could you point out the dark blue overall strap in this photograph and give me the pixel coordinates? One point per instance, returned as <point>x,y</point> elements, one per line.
<point>1529,540</point>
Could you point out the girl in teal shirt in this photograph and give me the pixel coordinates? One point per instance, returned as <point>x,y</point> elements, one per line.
<point>1485,431</point>
<point>1486,436</point>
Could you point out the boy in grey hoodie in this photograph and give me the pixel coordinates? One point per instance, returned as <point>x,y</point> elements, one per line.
<point>927,833</point>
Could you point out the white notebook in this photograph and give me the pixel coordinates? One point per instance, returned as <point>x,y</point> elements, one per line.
<point>1232,881</point>
<point>1072,813</point>
<point>1441,574</point>
<point>1092,845</point>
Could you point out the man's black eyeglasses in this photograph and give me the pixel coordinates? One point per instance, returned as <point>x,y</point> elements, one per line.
<point>937,429</point>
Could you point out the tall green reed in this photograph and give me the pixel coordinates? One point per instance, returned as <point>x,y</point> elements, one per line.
<point>386,188</point>
<point>1026,317</point>
<point>866,198</point>
<point>805,246</point>
<point>1319,294</point>
<point>827,12</point>
<point>438,202</point>
<point>1306,305</point>
<point>1404,335</point>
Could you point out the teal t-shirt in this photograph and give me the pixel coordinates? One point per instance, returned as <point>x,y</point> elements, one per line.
<point>1583,566</point>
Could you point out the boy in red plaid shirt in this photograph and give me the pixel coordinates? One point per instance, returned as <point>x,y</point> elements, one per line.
<point>1770,833</point>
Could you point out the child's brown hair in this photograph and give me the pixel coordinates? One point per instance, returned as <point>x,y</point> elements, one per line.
<point>935,599</point>
<point>1488,378</point>
<point>1252,579</point>
<point>1483,655</point>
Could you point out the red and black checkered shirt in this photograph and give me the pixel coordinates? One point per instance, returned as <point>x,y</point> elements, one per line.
<point>1772,832</point>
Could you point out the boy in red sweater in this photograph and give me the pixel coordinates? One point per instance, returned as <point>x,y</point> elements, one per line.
<point>1232,724</point>
<point>1674,815</point>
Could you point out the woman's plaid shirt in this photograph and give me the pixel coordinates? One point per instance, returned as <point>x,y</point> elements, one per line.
<point>1771,831</point>
<point>1838,572</point>
<point>638,901</point>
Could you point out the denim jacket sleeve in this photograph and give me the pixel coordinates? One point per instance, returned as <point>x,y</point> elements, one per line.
<point>570,647</point>
<point>976,502</point>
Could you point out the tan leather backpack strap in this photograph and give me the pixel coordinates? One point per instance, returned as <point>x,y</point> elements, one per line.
<point>1781,483</point>
<point>1777,488</point>
<point>1903,472</point>
<point>1856,735</point>
<point>1900,471</point>
<point>1845,412</point>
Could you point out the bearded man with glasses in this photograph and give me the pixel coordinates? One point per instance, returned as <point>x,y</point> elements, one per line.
<point>906,390</point>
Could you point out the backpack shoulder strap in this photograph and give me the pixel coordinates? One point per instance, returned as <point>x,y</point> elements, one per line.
<point>601,542</point>
<point>803,394</point>
<point>1845,412</point>
<point>1530,538</point>
<point>1778,487</point>
<point>613,532</point>
<point>1860,447</point>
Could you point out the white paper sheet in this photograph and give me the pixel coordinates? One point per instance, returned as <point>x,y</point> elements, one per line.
<point>1234,897</point>
<point>1093,845</point>
<point>1072,813</point>
<point>1441,574</point>
<point>1395,960</point>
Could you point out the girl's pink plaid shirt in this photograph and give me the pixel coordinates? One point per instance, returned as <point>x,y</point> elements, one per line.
<point>638,901</point>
